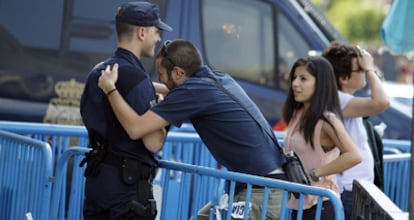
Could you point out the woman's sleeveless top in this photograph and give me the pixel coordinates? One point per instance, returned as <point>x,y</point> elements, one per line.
<point>311,158</point>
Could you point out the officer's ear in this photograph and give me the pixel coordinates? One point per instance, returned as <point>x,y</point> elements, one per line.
<point>140,32</point>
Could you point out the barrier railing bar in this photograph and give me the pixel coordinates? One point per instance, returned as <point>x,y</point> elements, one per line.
<point>18,154</point>
<point>260,181</point>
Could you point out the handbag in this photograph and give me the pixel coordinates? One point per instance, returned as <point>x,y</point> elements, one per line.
<point>294,170</point>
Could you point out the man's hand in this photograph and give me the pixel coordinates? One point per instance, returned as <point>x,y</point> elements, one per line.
<point>161,88</point>
<point>108,78</point>
<point>365,60</point>
<point>160,97</point>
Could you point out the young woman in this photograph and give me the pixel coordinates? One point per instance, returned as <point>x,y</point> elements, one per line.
<point>315,130</point>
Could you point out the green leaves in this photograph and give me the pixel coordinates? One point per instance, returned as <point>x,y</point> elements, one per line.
<point>359,21</point>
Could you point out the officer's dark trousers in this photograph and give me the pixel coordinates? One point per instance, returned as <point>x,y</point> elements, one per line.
<point>106,196</point>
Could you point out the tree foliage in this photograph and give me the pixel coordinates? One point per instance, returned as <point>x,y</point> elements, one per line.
<point>359,21</point>
<point>365,26</point>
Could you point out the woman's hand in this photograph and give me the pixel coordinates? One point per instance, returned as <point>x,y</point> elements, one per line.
<point>108,78</point>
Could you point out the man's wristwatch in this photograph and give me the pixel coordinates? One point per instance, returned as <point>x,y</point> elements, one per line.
<point>312,175</point>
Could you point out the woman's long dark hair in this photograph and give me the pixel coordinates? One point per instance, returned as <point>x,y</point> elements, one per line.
<point>325,97</point>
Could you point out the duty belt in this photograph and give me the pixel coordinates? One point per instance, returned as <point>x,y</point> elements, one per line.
<point>146,172</point>
<point>113,160</point>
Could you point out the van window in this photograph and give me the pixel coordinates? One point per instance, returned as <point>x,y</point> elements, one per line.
<point>40,51</point>
<point>292,46</point>
<point>234,34</point>
<point>47,49</point>
<point>241,37</point>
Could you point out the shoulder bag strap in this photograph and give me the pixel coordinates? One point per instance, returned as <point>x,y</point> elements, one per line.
<point>239,95</point>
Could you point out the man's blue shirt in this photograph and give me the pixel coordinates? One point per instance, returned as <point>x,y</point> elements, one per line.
<point>230,133</point>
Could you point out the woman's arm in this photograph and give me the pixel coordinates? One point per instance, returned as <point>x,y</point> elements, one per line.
<point>349,155</point>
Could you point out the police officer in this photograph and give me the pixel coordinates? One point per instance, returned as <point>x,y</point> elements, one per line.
<point>120,170</point>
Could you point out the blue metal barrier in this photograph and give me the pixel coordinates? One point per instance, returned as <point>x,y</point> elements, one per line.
<point>187,171</point>
<point>187,147</point>
<point>25,187</point>
<point>397,178</point>
<point>59,137</point>
<point>403,145</point>
<point>198,174</point>
<point>59,210</point>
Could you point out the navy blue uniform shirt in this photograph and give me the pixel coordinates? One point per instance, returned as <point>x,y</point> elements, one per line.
<point>136,87</point>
